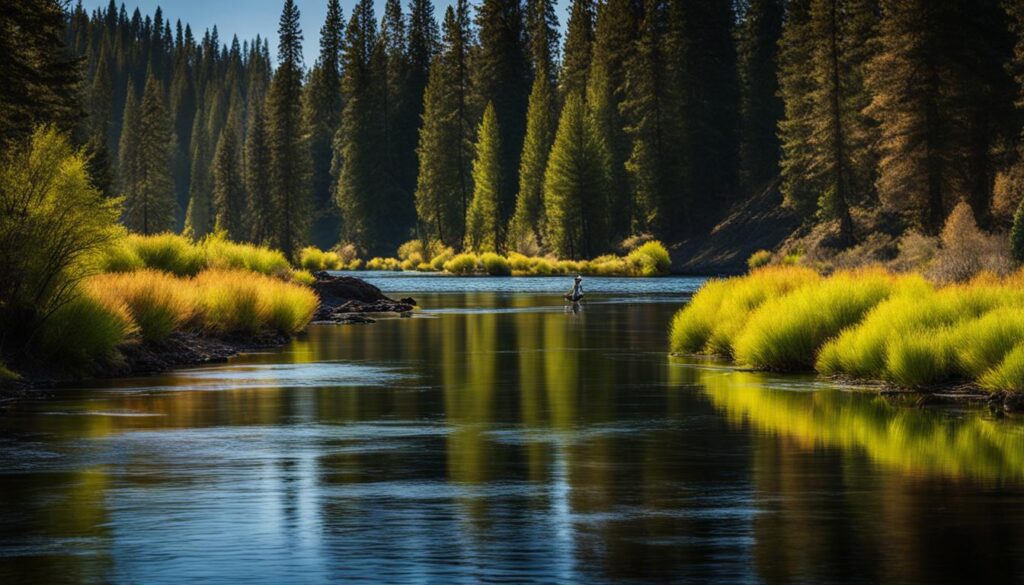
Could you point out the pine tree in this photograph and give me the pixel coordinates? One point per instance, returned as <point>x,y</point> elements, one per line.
<point>289,153</point>
<point>322,116</point>
<point>128,147</point>
<point>936,96</point>
<point>827,161</point>
<point>261,213</point>
<point>614,39</point>
<point>445,150</point>
<point>358,143</point>
<point>39,77</point>
<point>579,41</point>
<point>149,205</point>
<point>528,221</point>
<point>199,215</point>
<point>483,227</point>
<point>229,197</point>
<point>398,130</point>
<point>760,106</point>
<point>650,106</point>
<point>502,78</point>
<point>700,47</point>
<point>543,35</point>
<point>575,185</point>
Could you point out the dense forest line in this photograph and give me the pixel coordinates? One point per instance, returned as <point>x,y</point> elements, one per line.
<point>496,131</point>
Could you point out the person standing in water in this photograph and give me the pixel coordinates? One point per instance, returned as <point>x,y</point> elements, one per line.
<point>576,293</point>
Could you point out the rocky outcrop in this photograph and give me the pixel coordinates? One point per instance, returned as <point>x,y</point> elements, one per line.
<point>345,299</point>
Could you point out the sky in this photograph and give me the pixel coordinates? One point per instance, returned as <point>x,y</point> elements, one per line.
<point>247,18</point>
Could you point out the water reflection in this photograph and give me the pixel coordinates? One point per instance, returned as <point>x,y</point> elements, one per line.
<point>500,439</point>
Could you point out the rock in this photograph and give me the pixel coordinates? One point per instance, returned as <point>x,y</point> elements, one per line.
<point>341,297</point>
<point>1013,402</point>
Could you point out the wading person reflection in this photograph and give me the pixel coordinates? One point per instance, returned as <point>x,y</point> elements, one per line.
<point>576,294</point>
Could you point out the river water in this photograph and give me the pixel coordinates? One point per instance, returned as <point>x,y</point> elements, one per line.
<point>499,436</point>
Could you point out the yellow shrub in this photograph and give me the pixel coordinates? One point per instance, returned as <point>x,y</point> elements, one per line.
<point>462,264</point>
<point>158,302</point>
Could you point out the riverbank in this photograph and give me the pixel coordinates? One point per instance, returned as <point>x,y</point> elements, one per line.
<point>339,300</point>
<point>866,325</point>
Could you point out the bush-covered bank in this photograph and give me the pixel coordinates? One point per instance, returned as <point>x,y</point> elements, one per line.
<point>648,259</point>
<point>867,324</point>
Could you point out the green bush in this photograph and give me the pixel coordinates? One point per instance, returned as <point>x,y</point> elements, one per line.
<point>759,259</point>
<point>1009,374</point>
<point>650,259</point>
<point>463,264</point>
<point>495,265</point>
<point>169,253</point>
<point>83,332</point>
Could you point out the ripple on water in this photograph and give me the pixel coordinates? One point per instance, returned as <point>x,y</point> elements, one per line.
<point>309,375</point>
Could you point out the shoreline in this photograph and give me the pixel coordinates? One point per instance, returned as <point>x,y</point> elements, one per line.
<point>952,392</point>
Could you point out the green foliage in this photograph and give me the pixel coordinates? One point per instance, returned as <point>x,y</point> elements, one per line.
<point>149,189</point>
<point>575,185</point>
<point>482,220</point>
<point>1017,234</point>
<point>463,264</point>
<point>528,219</point>
<point>229,197</point>
<point>759,259</point>
<point>82,332</point>
<point>650,259</point>
<point>53,226</point>
<point>495,265</point>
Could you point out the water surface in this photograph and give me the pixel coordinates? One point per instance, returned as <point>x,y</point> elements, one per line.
<point>500,437</point>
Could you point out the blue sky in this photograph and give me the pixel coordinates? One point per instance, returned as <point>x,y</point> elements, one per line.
<point>247,18</point>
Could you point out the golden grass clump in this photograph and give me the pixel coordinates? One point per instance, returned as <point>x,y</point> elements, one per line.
<point>463,264</point>
<point>84,331</point>
<point>388,264</point>
<point>158,302</point>
<point>495,264</point>
<point>221,254</point>
<point>719,311</point>
<point>167,252</point>
<point>785,332</point>
<point>650,259</point>
<point>238,301</point>
<point>759,259</point>
<point>303,277</point>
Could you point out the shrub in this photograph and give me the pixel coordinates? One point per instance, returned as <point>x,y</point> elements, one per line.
<point>721,308</point>
<point>158,302</point>
<point>121,257</point>
<point>83,331</point>
<point>438,261</point>
<point>379,263</point>
<point>237,301</point>
<point>347,255</point>
<point>519,262</point>
<point>168,252</point>
<point>462,264</point>
<point>54,227</point>
<point>540,266</point>
<point>410,249</point>
<point>651,259</point>
<point>786,332</point>
<point>568,267</point>
<point>303,277</point>
<point>966,250</point>
<point>494,264</point>
<point>918,360</point>
<point>355,264</point>
<point>983,343</point>
<point>759,259</point>
<point>607,265</point>
<point>311,258</point>
<point>1009,374</point>
<point>221,254</point>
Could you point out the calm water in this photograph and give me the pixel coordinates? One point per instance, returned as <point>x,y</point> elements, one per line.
<point>498,438</point>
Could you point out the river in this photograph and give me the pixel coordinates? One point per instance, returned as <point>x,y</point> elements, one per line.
<point>499,436</point>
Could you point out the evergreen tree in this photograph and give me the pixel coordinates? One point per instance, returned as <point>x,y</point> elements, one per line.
<point>614,40</point>
<point>760,106</point>
<point>199,215</point>
<point>543,35</point>
<point>322,115</point>
<point>229,197</point>
<point>827,150</point>
<point>39,78</point>
<point>289,153</point>
<point>528,220</point>
<point>483,227</point>
<point>936,96</point>
<point>358,143</point>
<point>575,184</point>
<point>149,204</point>
<point>1017,234</point>
<point>700,47</point>
<point>579,41</point>
<point>128,147</point>
<point>261,213</point>
<point>650,106</point>
<point>502,78</point>
<point>444,182</point>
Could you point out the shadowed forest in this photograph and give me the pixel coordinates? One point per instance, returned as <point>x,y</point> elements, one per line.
<point>501,129</point>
